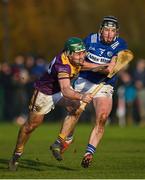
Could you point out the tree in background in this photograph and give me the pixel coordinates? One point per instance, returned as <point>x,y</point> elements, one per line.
<point>42,26</point>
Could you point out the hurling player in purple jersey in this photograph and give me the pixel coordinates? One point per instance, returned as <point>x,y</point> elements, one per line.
<point>102,48</point>
<point>54,87</point>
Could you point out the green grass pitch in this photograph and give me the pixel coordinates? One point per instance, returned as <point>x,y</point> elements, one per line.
<point>120,155</point>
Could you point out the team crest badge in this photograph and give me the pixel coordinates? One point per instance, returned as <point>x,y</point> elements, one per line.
<point>109,53</point>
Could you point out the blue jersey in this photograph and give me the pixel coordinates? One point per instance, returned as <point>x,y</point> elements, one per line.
<point>100,53</point>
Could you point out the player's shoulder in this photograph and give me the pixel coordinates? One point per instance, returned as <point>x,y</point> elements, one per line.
<point>92,38</point>
<point>119,43</point>
<point>92,35</point>
<point>61,58</point>
<point>121,40</point>
<point>62,62</point>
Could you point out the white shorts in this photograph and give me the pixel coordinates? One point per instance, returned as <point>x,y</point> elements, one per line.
<point>42,103</point>
<point>83,85</point>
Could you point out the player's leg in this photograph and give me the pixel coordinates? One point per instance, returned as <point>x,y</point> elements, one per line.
<point>40,105</point>
<point>68,141</point>
<point>68,126</point>
<point>103,106</point>
<point>65,137</point>
<point>81,85</point>
<point>33,122</point>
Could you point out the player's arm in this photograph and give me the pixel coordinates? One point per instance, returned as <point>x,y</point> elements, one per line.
<point>67,91</point>
<point>70,93</point>
<point>92,67</point>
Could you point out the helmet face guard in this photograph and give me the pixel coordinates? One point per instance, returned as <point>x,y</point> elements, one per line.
<point>74,44</point>
<point>110,21</point>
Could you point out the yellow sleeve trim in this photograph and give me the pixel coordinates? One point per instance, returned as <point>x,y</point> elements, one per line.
<point>63,75</point>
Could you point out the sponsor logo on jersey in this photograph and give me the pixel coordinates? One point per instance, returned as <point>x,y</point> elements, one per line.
<point>98,59</point>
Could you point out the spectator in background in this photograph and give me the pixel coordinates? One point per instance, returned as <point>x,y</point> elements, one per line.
<point>40,67</point>
<point>29,65</point>
<point>139,79</point>
<point>19,80</point>
<point>35,67</point>
<point>6,88</point>
<point>21,96</point>
<point>126,99</point>
<point>121,107</point>
<point>1,94</point>
<point>18,64</point>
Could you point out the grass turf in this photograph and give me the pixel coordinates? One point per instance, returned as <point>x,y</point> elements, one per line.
<point>121,154</point>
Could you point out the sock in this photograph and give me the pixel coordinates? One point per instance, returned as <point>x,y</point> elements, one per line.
<point>69,139</point>
<point>18,153</point>
<point>16,156</point>
<point>61,138</point>
<point>90,149</point>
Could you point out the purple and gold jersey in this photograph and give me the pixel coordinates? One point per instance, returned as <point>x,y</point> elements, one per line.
<point>100,53</point>
<point>59,68</point>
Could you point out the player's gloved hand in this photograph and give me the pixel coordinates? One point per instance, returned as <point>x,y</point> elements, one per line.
<point>87,98</point>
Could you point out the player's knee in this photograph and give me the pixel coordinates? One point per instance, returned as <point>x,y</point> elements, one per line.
<point>102,118</point>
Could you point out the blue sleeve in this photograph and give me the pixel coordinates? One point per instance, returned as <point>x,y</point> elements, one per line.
<point>87,41</point>
<point>123,45</point>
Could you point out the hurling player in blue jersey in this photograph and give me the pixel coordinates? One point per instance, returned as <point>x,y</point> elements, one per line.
<point>54,87</point>
<point>102,47</point>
